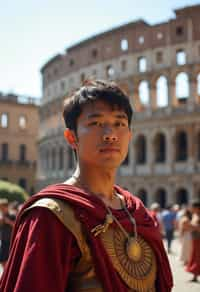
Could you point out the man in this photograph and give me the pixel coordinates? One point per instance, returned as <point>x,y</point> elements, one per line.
<point>169,223</point>
<point>88,234</point>
<point>6,225</point>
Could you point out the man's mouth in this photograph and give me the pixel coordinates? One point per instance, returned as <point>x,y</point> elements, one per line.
<point>109,149</point>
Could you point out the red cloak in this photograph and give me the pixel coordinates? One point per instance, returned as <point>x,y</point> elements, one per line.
<point>91,212</point>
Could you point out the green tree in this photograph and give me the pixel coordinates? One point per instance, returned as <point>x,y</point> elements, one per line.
<point>12,192</point>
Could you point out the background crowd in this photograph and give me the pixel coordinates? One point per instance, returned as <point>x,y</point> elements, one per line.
<point>182,222</point>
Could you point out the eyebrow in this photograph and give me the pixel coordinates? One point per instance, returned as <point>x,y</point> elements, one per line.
<point>99,115</point>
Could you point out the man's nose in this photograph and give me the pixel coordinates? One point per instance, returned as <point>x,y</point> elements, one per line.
<point>109,135</point>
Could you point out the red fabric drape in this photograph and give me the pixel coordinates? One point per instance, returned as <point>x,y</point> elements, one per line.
<point>91,211</point>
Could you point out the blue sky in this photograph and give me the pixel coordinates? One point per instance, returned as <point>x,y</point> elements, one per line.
<point>33,31</point>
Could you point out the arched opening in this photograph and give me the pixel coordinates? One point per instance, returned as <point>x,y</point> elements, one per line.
<point>141,150</point>
<point>160,197</point>
<point>182,87</point>
<point>182,197</point>
<point>22,152</point>
<point>160,148</point>
<point>162,92</point>
<point>23,182</point>
<point>180,57</point>
<point>142,64</point>
<point>4,152</point>
<point>181,146</point>
<point>142,194</point>
<point>144,92</point>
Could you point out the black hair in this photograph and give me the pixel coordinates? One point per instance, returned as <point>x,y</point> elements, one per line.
<point>91,91</point>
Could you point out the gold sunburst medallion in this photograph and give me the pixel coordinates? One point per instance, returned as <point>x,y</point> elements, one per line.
<point>132,258</point>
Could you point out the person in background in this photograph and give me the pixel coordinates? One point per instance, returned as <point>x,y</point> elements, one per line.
<point>169,222</point>
<point>185,235</point>
<point>155,211</point>
<point>193,265</point>
<point>6,225</point>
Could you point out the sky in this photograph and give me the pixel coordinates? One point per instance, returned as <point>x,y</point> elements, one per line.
<point>33,31</point>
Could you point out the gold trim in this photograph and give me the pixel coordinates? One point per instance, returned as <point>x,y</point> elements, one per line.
<point>65,213</point>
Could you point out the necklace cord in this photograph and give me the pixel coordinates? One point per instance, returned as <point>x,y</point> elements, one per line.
<point>131,218</point>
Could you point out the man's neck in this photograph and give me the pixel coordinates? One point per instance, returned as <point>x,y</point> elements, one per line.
<point>97,182</point>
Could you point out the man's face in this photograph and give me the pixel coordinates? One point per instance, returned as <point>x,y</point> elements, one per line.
<point>103,135</point>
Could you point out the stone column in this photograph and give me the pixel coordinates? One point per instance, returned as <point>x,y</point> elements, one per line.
<point>150,153</point>
<point>171,94</point>
<point>152,96</point>
<point>170,148</point>
<point>192,92</point>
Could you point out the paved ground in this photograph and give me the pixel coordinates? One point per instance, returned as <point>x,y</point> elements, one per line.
<point>181,278</point>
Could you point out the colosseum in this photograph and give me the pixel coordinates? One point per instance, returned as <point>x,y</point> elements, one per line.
<point>159,67</point>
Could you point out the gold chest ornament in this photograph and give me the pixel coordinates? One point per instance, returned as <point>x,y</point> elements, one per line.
<point>131,255</point>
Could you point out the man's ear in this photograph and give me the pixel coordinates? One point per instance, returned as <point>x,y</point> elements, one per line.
<point>130,135</point>
<point>70,138</point>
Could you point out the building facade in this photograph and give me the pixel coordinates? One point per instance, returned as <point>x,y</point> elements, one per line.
<point>18,140</point>
<point>159,67</point>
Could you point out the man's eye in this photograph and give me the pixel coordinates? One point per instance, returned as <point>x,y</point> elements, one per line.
<point>95,123</point>
<point>120,124</point>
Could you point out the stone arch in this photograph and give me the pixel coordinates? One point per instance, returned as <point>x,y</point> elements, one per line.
<point>143,92</point>
<point>181,146</point>
<point>182,87</point>
<point>161,197</point>
<point>162,91</point>
<point>182,197</point>
<point>159,146</point>
<point>141,149</point>
<point>142,194</point>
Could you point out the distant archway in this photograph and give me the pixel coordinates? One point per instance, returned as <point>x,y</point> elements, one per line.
<point>144,92</point>
<point>182,196</point>
<point>181,146</point>
<point>182,87</point>
<point>160,197</point>
<point>162,92</point>
<point>140,147</point>
<point>142,194</point>
<point>160,148</point>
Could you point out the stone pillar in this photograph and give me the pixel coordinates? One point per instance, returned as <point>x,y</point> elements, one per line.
<point>192,92</point>
<point>150,153</point>
<point>171,94</point>
<point>152,96</point>
<point>170,148</point>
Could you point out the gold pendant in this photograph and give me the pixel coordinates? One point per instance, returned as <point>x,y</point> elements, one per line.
<point>133,258</point>
<point>133,249</point>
